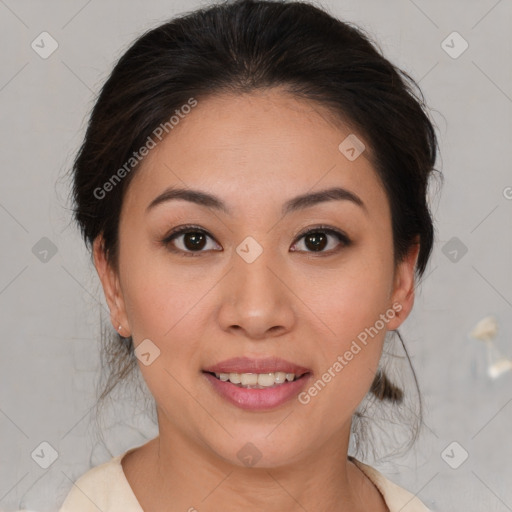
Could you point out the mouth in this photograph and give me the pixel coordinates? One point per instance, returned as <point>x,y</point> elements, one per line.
<point>257,384</point>
<point>258,392</point>
<point>257,380</point>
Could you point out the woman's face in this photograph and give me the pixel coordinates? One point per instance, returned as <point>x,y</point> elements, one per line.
<point>249,284</point>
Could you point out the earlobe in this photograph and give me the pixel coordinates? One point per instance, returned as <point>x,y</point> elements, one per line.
<point>110,285</point>
<point>404,286</point>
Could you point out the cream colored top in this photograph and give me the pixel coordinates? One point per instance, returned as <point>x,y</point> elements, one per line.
<point>105,488</point>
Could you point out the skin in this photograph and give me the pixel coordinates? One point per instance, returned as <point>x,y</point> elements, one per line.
<point>254,152</point>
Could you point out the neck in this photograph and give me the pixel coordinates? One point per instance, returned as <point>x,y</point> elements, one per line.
<point>173,468</point>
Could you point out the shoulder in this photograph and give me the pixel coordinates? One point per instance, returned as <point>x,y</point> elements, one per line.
<point>104,488</point>
<point>397,498</point>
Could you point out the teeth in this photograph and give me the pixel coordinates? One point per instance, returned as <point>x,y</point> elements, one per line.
<point>234,378</point>
<point>247,379</point>
<point>280,377</point>
<point>256,380</point>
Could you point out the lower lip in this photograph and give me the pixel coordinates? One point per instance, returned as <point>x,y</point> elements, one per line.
<point>258,399</point>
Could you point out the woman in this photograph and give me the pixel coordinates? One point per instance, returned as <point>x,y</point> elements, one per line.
<point>253,188</point>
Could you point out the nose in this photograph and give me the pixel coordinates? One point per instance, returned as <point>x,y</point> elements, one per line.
<point>256,299</point>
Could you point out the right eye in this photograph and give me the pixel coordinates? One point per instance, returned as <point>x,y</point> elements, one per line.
<point>192,239</point>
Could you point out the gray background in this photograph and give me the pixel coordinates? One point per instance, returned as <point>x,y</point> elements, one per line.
<point>49,310</point>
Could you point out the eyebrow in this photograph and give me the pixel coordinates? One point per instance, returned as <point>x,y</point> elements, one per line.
<point>297,203</point>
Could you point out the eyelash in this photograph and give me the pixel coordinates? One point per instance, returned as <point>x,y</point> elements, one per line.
<point>342,237</point>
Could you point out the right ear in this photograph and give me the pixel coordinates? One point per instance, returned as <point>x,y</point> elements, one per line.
<point>111,287</point>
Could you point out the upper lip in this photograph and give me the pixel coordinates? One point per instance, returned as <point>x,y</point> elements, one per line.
<point>265,365</point>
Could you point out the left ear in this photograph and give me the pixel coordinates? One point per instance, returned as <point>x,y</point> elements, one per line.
<point>404,285</point>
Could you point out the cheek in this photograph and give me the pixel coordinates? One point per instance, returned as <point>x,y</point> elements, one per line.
<point>353,298</point>
<point>158,296</point>
<point>351,347</point>
<point>167,314</point>
<point>161,308</point>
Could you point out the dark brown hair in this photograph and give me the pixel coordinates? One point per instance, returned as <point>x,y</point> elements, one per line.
<point>242,46</point>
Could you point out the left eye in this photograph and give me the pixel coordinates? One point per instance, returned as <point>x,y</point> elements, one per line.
<point>317,239</point>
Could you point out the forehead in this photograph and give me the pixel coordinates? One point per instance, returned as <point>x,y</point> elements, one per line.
<point>264,146</point>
